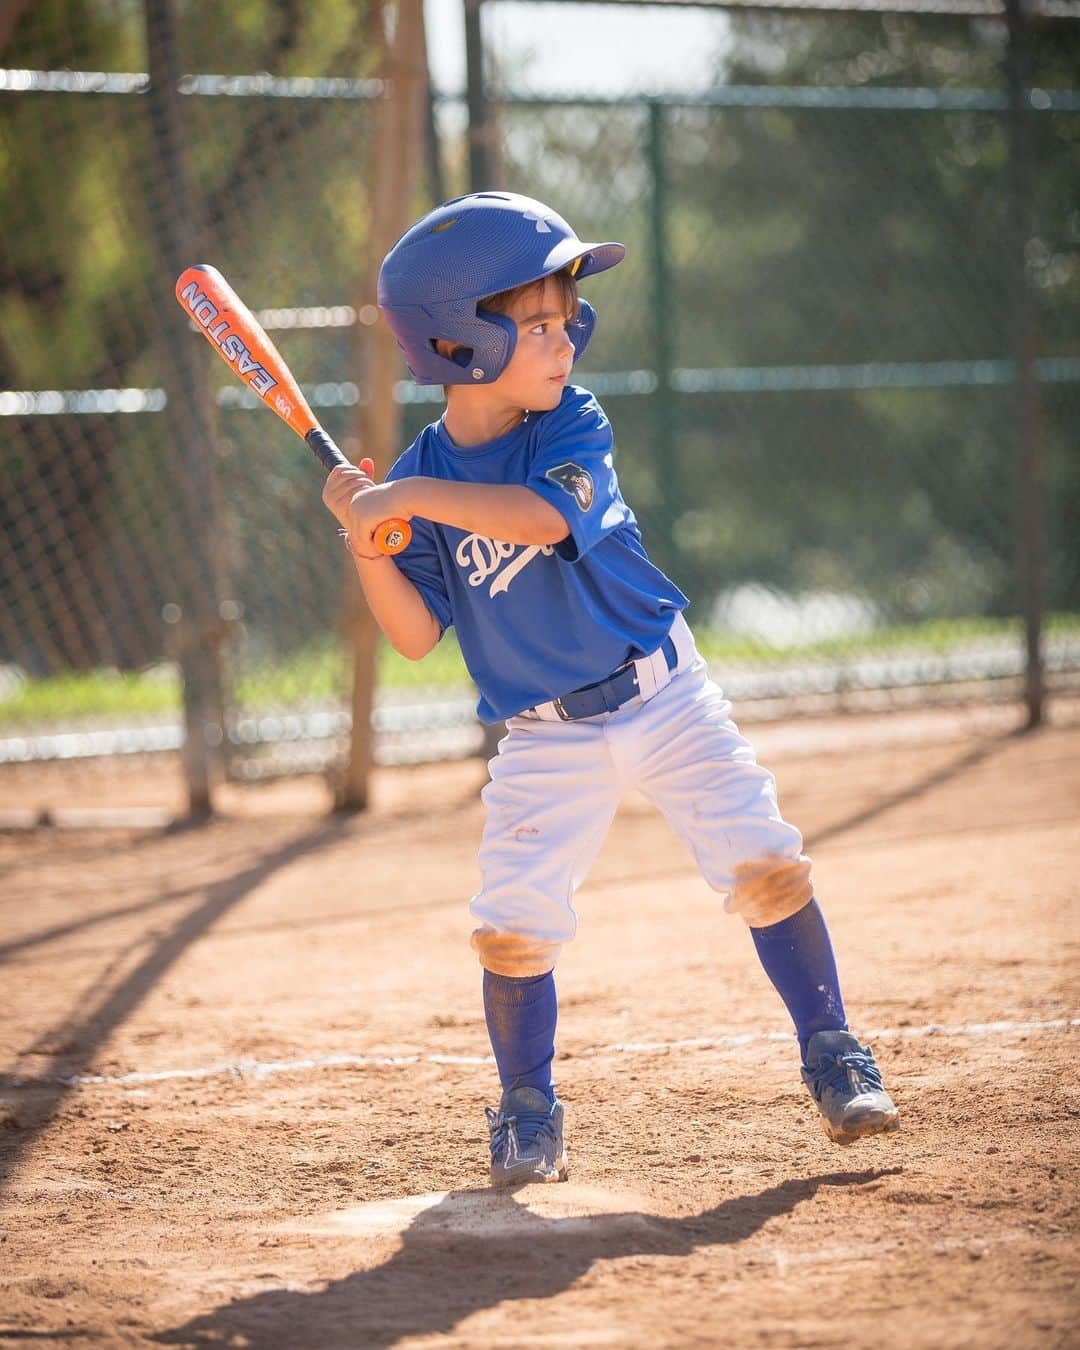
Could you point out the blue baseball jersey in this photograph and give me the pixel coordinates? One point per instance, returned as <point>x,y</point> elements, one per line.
<point>535,622</point>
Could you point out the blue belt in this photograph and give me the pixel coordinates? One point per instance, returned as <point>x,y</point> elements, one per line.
<point>608,695</point>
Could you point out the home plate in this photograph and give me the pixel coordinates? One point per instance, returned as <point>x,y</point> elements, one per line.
<point>479,1213</point>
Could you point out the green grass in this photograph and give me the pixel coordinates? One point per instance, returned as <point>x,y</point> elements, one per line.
<point>97,693</point>
<point>934,636</point>
<point>319,673</point>
<point>310,676</point>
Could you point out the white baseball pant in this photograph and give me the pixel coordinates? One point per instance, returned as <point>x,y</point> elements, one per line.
<point>553,794</point>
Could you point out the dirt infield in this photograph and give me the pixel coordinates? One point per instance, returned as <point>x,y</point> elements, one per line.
<point>244,1067</point>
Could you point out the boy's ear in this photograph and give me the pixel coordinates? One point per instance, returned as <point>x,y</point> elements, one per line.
<point>453,351</point>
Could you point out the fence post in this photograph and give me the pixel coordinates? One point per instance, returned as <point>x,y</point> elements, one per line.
<point>1024,390</point>
<point>661,312</point>
<point>482,143</point>
<point>399,139</point>
<point>483,174</point>
<point>198,617</point>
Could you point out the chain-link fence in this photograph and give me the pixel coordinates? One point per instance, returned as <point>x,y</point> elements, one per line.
<point>811,373</point>
<point>809,357</point>
<point>114,541</point>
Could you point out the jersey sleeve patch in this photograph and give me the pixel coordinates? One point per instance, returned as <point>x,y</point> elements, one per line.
<point>575,480</point>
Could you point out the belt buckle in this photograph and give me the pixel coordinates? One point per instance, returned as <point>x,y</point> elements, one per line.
<point>556,703</point>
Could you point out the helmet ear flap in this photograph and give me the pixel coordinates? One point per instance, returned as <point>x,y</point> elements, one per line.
<point>580,330</point>
<point>485,344</point>
<point>501,348</point>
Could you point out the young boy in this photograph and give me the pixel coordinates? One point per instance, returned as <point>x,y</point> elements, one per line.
<point>522,541</point>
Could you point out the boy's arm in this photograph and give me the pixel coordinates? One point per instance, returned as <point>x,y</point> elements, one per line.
<point>511,513</point>
<point>397,605</point>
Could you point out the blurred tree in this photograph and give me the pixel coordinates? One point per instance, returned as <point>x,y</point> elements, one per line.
<point>811,237</point>
<point>280,191</point>
<point>842,237</point>
<point>800,238</point>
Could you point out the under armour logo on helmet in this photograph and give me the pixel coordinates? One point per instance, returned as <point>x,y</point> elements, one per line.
<point>542,227</point>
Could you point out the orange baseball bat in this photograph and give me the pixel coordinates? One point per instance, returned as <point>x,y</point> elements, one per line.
<point>241,342</point>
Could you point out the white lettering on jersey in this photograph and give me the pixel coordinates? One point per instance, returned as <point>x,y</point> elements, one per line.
<point>486,556</point>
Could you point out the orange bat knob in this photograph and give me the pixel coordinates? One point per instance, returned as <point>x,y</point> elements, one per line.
<point>392,536</point>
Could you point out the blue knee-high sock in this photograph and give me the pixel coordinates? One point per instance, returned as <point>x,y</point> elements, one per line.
<point>521,1016</point>
<point>798,957</point>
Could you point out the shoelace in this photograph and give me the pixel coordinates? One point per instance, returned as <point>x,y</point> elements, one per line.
<point>832,1072</point>
<point>529,1126</point>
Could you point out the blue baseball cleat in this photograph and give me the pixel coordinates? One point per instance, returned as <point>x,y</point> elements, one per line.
<point>526,1139</point>
<point>845,1082</point>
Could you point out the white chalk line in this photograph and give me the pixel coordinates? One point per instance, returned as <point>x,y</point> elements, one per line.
<point>258,1069</point>
<point>879,1034</point>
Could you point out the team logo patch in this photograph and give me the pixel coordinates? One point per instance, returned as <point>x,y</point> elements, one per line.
<point>574,479</point>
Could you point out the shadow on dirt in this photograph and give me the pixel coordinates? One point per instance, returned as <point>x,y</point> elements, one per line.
<point>956,768</point>
<point>72,1044</point>
<point>71,1334</point>
<point>89,921</point>
<point>474,1250</point>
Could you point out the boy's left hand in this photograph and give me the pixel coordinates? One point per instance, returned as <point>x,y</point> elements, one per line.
<point>360,505</point>
<point>342,485</point>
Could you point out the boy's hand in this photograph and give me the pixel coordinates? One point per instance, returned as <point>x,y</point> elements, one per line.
<point>342,486</point>
<point>345,494</point>
<point>366,511</point>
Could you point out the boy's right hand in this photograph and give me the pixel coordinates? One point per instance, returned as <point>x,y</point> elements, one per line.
<point>343,484</point>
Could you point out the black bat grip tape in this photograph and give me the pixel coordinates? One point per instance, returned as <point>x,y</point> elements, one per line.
<point>325,449</point>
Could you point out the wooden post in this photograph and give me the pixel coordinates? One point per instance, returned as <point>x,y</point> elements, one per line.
<point>189,412</point>
<point>1030,524</point>
<point>399,151</point>
<point>484,174</point>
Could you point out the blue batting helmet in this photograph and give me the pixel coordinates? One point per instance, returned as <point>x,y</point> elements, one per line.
<point>461,252</point>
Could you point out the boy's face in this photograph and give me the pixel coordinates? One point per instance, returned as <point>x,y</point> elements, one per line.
<point>540,366</point>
